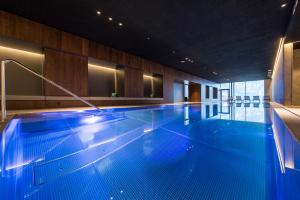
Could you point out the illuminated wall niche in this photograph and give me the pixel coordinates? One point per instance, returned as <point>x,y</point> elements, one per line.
<point>18,81</point>
<point>153,86</point>
<point>105,79</point>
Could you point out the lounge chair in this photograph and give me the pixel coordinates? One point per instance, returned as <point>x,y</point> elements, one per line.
<point>246,105</point>
<point>256,99</point>
<point>247,99</point>
<point>238,99</point>
<point>256,105</point>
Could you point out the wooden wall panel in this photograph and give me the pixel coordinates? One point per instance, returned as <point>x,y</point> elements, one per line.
<point>195,92</point>
<point>133,82</point>
<point>74,44</point>
<point>66,58</point>
<point>51,37</point>
<point>20,28</point>
<point>68,70</point>
<point>296,78</point>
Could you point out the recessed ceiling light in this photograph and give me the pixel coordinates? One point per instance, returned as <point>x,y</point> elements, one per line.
<point>182,61</point>
<point>173,52</point>
<point>98,12</point>
<point>148,38</point>
<point>120,24</point>
<point>215,73</point>
<point>283,5</point>
<point>110,18</point>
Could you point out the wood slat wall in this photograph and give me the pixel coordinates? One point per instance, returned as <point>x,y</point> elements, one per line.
<point>68,70</point>
<point>195,92</point>
<point>133,77</point>
<point>66,59</point>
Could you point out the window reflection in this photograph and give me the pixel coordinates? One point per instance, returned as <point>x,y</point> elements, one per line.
<point>249,113</point>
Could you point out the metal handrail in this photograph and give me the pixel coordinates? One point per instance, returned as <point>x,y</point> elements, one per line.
<point>3,93</point>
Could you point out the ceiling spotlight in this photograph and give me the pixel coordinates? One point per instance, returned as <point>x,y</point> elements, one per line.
<point>148,38</point>
<point>98,12</point>
<point>182,61</point>
<point>120,24</point>
<point>173,52</point>
<point>110,19</point>
<point>215,73</point>
<point>283,5</point>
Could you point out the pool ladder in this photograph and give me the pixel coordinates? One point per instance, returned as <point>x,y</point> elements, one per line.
<point>3,89</point>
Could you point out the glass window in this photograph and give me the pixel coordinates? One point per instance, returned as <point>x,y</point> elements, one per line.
<point>255,88</point>
<point>207,92</point>
<point>215,93</point>
<point>239,89</point>
<point>225,86</point>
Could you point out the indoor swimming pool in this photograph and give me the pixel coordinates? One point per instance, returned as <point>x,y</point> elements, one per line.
<point>197,151</point>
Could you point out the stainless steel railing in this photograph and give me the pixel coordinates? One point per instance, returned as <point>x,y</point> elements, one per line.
<point>3,89</point>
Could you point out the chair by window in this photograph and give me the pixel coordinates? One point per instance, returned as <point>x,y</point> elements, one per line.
<point>256,99</point>
<point>247,99</point>
<point>238,99</point>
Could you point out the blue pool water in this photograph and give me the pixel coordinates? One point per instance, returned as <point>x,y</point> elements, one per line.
<point>207,151</point>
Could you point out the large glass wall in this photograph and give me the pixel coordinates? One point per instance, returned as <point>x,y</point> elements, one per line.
<point>247,88</point>
<point>239,89</point>
<point>255,88</point>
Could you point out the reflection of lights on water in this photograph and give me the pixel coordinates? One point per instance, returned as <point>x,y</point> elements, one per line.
<point>104,165</point>
<point>86,136</point>
<point>91,120</point>
<point>147,130</point>
<point>21,164</point>
<point>186,116</point>
<point>103,142</point>
<point>279,153</point>
<point>40,159</point>
<point>80,111</point>
<point>147,148</point>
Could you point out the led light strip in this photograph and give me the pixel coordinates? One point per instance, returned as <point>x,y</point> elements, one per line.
<point>279,153</point>
<point>20,51</point>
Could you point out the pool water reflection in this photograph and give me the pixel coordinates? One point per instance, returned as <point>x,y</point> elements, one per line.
<point>199,151</point>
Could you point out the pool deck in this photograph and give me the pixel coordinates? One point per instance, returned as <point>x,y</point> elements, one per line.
<point>291,117</point>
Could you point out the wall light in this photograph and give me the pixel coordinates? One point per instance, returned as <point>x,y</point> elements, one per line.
<point>102,68</point>
<point>98,12</point>
<point>110,19</point>
<point>277,58</point>
<point>283,5</point>
<point>13,50</point>
<point>120,24</point>
<point>147,76</point>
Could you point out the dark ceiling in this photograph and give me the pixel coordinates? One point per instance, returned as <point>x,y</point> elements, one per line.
<point>224,39</point>
<point>293,33</point>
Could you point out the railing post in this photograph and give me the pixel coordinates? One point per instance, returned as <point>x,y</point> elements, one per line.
<point>3,95</point>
